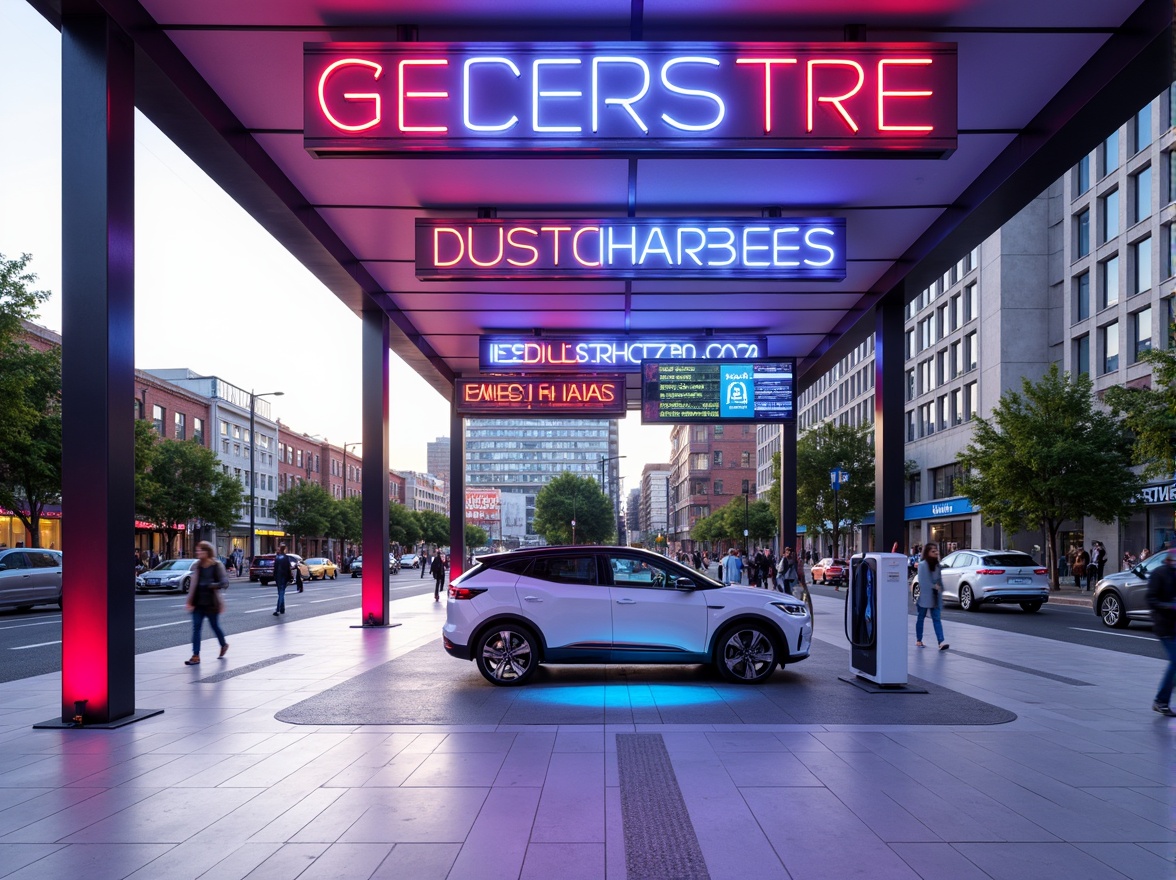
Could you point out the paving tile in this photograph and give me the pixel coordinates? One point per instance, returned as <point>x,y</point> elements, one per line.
<point>939,861</point>
<point>1016,861</point>
<point>571,808</point>
<point>401,815</point>
<point>1131,860</point>
<point>170,816</point>
<point>418,861</point>
<point>568,861</point>
<point>284,816</point>
<point>456,769</point>
<point>500,834</point>
<point>355,861</point>
<point>93,861</point>
<point>526,762</point>
<point>615,866</point>
<point>62,822</point>
<point>287,862</point>
<point>766,768</point>
<point>477,742</point>
<point>14,856</point>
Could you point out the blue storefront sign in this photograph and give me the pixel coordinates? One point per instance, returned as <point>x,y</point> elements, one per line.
<point>945,507</point>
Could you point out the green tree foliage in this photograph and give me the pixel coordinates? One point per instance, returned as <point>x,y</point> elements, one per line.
<point>185,484</point>
<point>819,451</point>
<point>434,527</point>
<point>1048,455</point>
<point>349,519</point>
<point>305,510</point>
<point>475,536</point>
<point>1150,414</point>
<point>569,497</point>
<point>403,526</point>
<point>729,521</point>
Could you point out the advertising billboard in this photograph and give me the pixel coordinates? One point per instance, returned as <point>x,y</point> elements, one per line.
<point>717,391</point>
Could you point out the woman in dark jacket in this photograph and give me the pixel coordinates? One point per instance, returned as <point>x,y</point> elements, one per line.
<point>930,595</point>
<point>437,570</point>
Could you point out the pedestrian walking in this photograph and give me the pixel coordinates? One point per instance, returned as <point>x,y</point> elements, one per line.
<point>1094,570</point>
<point>437,570</point>
<point>930,596</point>
<point>1161,598</point>
<point>732,568</point>
<point>204,600</point>
<point>787,570</point>
<point>697,561</point>
<point>283,575</point>
<point>1078,566</point>
<point>424,560</point>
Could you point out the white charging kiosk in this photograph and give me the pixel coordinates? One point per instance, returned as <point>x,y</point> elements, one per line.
<point>876,618</point>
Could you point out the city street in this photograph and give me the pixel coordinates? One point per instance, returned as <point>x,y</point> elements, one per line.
<point>30,643</point>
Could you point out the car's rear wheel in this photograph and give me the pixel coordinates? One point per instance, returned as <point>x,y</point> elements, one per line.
<point>968,599</point>
<point>507,655</point>
<point>746,653</point>
<point>187,585</point>
<point>1030,607</point>
<point>1110,609</point>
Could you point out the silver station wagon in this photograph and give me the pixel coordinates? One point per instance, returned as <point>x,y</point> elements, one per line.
<point>29,576</point>
<point>973,578</point>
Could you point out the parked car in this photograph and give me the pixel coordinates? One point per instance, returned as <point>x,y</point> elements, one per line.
<point>28,577</point>
<point>262,568</point>
<point>831,571</point>
<point>357,566</point>
<point>973,578</point>
<point>410,560</point>
<point>175,574</point>
<point>321,568</point>
<point>512,611</point>
<point>1121,597</point>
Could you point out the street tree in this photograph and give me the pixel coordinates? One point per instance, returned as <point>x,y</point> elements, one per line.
<point>30,437</point>
<point>434,527</point>
<point>185,485</point>
<point>305,510</point>
<point>403,526</point>
<point>1150,414</point>
<point>819,451</point>
<point>475,536</point>
<point>1048,454</point>
<point>730,521</point>
<point>569,497</point>
<point>348,520</point>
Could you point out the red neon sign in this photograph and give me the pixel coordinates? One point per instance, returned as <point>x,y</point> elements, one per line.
<point>587,396</point>
<point>592,98</point>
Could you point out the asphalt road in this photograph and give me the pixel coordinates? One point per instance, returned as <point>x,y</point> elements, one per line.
<point>30,642</point>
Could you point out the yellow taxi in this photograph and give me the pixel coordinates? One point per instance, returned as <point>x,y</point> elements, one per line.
<point>321,568</point>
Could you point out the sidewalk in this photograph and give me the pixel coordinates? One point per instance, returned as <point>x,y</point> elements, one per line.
<point>1078,786</point>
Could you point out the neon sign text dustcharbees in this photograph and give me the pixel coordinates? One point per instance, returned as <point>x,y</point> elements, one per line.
<point>503,354</point>
<point>793,248</point>
<point>593,98</point>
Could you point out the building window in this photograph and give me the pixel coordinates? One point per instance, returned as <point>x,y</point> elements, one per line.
<point>1082,355</point>
<point>971,303</point>
<point>957,358</point>
<point>198,431</point>
<point>943,366</point>
<point>1141,265</point>
<point>1110,347</point>
<point>910,420</point>
<point>1082,175</point>
<point>316,463</point>
<point>225,447</point>
<point>910,384</point>
<point>1170,251</point>
<point>157,414</point>
<point>1143,331</point>
<point>943,413</point>
<point>970,353</point>
<point>957,312</point>
<point>1141,127</point>
<point>698,434</point>
<point>718,458</point>
<point>224,428</point>
<point>1082,232</point>
<point>1108,282</point>
<point>181,426</point>
<point>745,459</point>
<point>943,480</point>
<point>138,409</point>
<point>746,487</point>
<point>1108,209</point>
<point>971,401</point>
<point>914,488</point>
<point>1082,297</point>
<point>236,449</point>
<point>718,431</point>
<point>1109,155</point>
<point>718,487</point>
<point>236,432</point>
<point>1141,186</point>
<point>1172,171</point>
<point>957,407</point>
<point>926,376</point>
<point>700,462</point>
<point>926,420</point>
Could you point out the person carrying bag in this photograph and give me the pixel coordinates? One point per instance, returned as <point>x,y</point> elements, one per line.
<point>204,600</point>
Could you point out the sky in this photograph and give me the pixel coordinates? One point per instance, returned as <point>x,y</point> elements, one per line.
<point>213,290</point>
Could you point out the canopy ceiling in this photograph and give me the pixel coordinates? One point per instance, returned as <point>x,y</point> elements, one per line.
<point>1040,83</point>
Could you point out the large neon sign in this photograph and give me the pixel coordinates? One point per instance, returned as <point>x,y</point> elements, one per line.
<point>592,98</point>
<point>794,248</point>
<point>569,396</point>
<point>550,354</point>
<point>717,391</point>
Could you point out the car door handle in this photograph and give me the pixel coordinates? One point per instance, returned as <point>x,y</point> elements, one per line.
<point>532,599</point>
<point>626,601</point>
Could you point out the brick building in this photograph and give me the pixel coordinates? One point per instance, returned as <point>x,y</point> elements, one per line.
<point>709,465</point>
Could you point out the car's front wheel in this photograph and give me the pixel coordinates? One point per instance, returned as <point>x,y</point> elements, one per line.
<point>746,653</point>
<point>507,655</point>
<point>968,599</point>
<point>1110,609</point>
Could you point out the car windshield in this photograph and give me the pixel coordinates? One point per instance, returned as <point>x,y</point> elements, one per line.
<point>176,565</point>
<point>1022,559</point>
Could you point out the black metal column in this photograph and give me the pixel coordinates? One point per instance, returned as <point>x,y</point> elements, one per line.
<point>98,350</point>
<point>889,439</point>
<point>456,490</point>
<point>787,512</point>
<point>374,478</point>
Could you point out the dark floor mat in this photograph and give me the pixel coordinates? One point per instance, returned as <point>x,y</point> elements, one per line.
<point>427,686</point>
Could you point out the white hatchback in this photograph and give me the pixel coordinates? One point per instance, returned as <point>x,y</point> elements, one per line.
<point>512,611</point>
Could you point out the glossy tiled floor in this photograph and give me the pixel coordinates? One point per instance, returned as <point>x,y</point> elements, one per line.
<point>1079,786</point>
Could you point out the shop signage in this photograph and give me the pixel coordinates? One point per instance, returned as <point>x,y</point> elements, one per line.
<point>795,248</point>
<point>483,505</point>
<point>154,527</point>
<point>1159,493</point>
<point>569,396</point>
<point>510,99</point>
<point>624,354</point>
<point>946,507</point>
<point>716,391</point>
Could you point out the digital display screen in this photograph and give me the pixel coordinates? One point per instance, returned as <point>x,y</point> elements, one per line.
<point>616,354</point>
<point>567,396</point>
<point>717,391</point>
<point>794,248</point>
<point>594,98</point>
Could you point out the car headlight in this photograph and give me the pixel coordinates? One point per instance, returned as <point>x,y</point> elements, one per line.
<point>794,608</point>
<point>138,582</point>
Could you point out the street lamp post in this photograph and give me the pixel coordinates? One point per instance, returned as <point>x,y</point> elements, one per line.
<point>837,477</point>
<point>746,527</point>
<point>253,468</point>
<point>603,460</point>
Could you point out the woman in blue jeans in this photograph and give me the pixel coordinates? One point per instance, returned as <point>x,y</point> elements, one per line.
<point>930,595</point>
<point>204,601</point>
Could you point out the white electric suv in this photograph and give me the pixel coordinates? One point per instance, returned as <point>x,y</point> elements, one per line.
<point>512,611</point>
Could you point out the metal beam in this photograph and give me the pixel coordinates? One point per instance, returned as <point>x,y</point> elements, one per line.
<point>889,429</point>
<point>374,478</point>
<point>456,491</point>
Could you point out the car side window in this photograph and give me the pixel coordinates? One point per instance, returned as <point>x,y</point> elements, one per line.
<point>565,569</point>
<point>13,561</point>
<point>630,572</point>
<point>950,560</point>
<point>1153,562</point>
<point>41,559</point>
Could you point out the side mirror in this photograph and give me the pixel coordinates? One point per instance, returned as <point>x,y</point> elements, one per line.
<point>685,583</point>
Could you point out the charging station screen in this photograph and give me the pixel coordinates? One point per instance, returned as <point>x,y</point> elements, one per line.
<point>717,391</point>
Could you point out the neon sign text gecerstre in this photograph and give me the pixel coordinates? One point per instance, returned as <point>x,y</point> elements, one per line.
<point>592,98</point>
<point>793,248</point>
<point>550,354</point>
